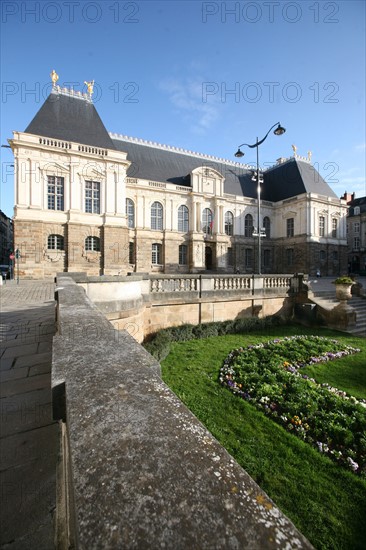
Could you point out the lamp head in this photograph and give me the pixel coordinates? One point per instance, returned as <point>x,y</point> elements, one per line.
<point>279,130</point>
<point>239,153</point>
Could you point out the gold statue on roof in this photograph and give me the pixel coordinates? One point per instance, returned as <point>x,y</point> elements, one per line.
<point>90,86</point>
<point>54,77</point>
<point>309,156</point>
<point>294,148</point>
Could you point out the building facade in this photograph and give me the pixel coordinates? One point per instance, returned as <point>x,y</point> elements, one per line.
<point>356,234</point>
<point>6,239</point>
<point>100,203</point>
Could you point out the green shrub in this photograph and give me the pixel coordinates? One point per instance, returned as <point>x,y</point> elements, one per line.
<point>205,330</point>
<point>182,333</point>
<point>159,344</point>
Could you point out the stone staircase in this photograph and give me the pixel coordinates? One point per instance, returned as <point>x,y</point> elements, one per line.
<point>357,302</point>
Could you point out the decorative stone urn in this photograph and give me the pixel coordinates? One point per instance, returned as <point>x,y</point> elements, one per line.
<point>343,291</point>
<point>343,288</point>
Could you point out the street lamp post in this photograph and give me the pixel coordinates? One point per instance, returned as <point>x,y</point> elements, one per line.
<point>259,233</point>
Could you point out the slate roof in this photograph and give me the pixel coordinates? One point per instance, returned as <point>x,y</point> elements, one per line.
<point>157,164</point>
<point>70,119</point>
<point>294,177</point>
<point>285,180</point>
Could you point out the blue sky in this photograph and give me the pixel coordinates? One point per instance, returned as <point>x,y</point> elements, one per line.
<point>205,76</point>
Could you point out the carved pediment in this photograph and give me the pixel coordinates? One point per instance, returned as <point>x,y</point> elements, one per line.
<point>289,214</point>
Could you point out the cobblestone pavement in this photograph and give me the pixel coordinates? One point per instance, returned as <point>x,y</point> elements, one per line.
<point>29,292</point>
<point>28,437</point>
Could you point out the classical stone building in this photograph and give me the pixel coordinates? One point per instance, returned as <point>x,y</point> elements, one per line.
<point>102,203</point>
<point>6,238</point>
<point>356,233</point>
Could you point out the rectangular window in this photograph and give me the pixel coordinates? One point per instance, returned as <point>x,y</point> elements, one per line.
<point>356,243</point>
<point>183,254</point>
<point>55,193</point>
<point>156,254</point>
<point>356,227</point>
<point>248,258</point>
<point>92,197</point>
<point>334,227</point>
<point>290,227</point>
<point>321,226</point>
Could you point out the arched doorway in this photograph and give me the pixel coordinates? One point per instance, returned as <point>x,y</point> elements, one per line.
<point>208,257</point>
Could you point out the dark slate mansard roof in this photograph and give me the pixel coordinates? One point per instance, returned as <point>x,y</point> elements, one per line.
<point>291,178</point>
<point>69,117</point>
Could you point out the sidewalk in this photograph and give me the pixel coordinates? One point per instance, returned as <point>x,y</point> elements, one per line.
<point>29,437</point>
<point>324,284</point>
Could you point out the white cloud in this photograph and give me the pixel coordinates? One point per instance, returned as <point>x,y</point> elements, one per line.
<point>187,97</point>
<point>361,147</point>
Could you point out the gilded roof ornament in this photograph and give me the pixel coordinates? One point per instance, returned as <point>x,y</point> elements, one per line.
<point>294,148</point>
<point>90,86</point>
<point>309,156</point>
<point>54,77</point>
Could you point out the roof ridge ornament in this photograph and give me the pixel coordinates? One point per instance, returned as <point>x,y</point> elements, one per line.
<point>54,77</point>
<point>90,86</point>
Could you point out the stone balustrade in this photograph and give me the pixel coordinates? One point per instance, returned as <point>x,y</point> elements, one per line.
<point>277,282</point>
<point>194,283</point>
<point>174,284</point>
<point>146,303</point>
<point>232,283</point>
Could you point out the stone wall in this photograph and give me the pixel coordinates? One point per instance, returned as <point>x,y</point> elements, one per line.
<point>138,470</point>
<point>144,304</point>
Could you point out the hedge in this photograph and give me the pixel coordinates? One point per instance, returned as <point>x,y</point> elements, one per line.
<point>159,343</point>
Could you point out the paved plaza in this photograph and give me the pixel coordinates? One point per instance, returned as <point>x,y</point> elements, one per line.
<point>29,437</point>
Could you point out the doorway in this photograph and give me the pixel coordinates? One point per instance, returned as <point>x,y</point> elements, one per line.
<point>208,258</point>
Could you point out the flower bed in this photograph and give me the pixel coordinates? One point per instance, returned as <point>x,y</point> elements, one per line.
<point>268,376</point>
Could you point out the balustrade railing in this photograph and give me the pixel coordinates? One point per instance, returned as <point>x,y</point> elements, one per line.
<point>277,282</point>
<point>173,283</point>
<point>232,283</point>
<point>180,284</point>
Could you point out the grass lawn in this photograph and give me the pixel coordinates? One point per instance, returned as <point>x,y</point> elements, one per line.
<point>326,502</point>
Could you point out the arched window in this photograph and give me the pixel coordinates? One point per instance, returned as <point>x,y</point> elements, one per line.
<point>183,254</point>
<point>156,216</point>
<point>156,254</point>
<point>267,226</point>
<point>55,242</point>
<point>248,225</point>
<point>207,221</point>
<point>130,211</point>
<point>229,223</point>
<point>92,244</point>
<point>183,219</point>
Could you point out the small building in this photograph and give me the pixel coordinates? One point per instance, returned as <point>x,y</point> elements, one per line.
<point>6,238</point>
<point>356,234</point>
<point>88,200</point>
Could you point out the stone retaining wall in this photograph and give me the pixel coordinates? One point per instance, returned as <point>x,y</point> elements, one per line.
<point>138,470</point>
<point>144,304</point>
